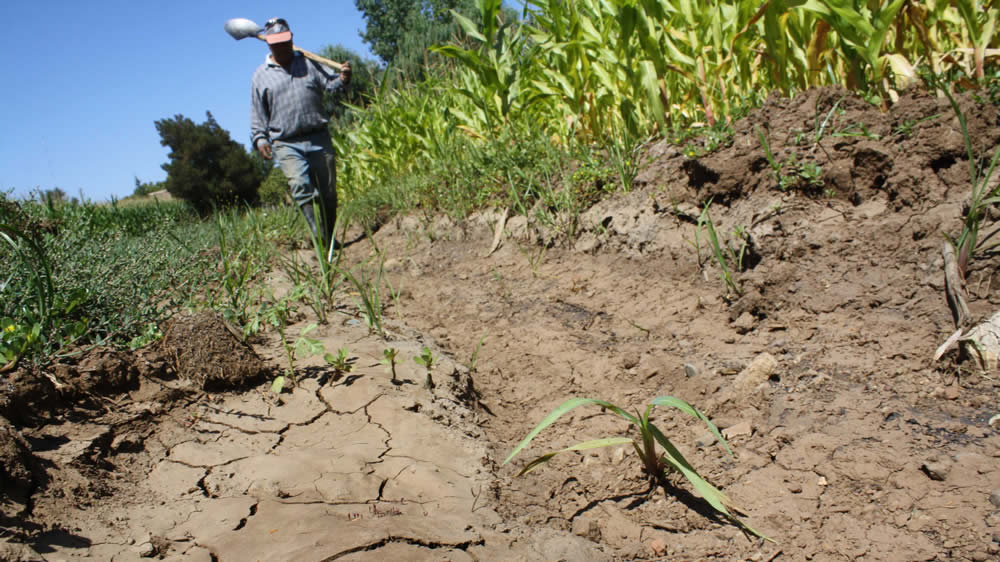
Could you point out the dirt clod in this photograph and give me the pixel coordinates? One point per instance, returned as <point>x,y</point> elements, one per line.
<point>200,347</point>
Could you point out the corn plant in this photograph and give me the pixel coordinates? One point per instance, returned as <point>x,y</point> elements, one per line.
<point>370,304</point>
<point>981,198</point>
<point>721,257</point>
<point>656,465</point>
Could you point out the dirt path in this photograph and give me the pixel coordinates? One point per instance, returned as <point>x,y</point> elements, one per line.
<point>850,442</point>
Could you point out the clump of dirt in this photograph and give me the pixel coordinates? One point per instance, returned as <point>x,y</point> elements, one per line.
<point>829,143</point>
<point>16,472</point>
<point>34,395</point>
<point>202,348</point>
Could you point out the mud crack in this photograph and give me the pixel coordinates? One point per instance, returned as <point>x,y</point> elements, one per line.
<point>405,540</point>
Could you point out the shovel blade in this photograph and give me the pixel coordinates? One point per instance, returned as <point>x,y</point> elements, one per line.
<point>241,28</point>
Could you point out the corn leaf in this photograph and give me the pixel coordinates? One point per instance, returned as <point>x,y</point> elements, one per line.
<point>593,444</point>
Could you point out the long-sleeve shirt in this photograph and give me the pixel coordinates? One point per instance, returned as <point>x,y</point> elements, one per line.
<point>289,103</point>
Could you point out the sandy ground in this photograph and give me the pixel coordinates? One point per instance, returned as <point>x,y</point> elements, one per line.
<point>850,442</point>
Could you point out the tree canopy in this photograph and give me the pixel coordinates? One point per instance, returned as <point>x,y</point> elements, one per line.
<point>206,166</point>
<point>400,31</point>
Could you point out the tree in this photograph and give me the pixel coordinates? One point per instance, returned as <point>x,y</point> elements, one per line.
<point>146,187</point>
<point>207,167</point>
<point>400,31</point>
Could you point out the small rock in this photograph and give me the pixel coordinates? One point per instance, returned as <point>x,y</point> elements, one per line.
<point>757,372</point>
<point>145,550</point>
<point>950,392</point>
<point>742,428</point>
<point>587,528</point>
<point>795,488</point>
<point>744,323</point>
<point>630,360</point>
<point>936,470</point>
<point>658,548</point>
<point>618,455</point>
<point>995,498</point>
<point>692,371</point>
<point>706,440</point>
<point>995,421</point>
<point>822,481</point>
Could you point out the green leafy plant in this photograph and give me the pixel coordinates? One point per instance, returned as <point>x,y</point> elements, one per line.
<point>340,362</point>
<point>427,360</point>
<point>278,315</point>
<point>19,337</point>
<point>656,465</point>
<point>389,360</point>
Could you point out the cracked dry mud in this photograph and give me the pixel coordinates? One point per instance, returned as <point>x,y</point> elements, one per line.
<point>850,442</point>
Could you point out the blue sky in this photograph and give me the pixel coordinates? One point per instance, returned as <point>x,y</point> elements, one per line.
<point>86,81</point>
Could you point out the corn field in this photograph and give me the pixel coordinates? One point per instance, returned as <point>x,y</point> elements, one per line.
<point>614,72</point>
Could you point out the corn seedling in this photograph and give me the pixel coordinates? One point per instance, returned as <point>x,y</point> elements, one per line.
<point>982,197</point>
<point>771,161</point>
<point>370,305</point>
<point>705,222</point>
<point>475,352</point>
<point>656,465</point>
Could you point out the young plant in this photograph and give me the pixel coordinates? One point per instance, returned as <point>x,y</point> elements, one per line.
<point>426,360</point>
<point>705,221</point>
<point>656,465</point>
<point>983,195</point>
<point>775,166</point>
<point>303,348</point>
<point>475,353</point>
<point>389,360</point>
<point>370,306</point>
<point>340,363</point>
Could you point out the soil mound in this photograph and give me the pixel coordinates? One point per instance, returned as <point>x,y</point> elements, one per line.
<point>830,143</point>
<point>15,473</point>
<point>203,349</point>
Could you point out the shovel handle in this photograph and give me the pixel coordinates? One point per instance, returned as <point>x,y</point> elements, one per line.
<point>322,60</point>
<point>312,56</point>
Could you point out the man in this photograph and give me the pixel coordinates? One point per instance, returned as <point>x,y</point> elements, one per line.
<point>287,122</point>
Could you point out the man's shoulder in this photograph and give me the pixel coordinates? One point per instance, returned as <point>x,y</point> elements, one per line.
<point>260,72</point>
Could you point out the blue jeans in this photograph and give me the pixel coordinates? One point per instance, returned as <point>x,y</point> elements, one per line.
<point>309,163</point>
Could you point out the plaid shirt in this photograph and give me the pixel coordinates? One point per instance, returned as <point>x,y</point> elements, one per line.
<point>289,103</point>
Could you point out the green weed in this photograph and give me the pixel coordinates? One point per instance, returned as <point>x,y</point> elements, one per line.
<point>389,360</point>
<point>340,362</point>
<point>427,360</point>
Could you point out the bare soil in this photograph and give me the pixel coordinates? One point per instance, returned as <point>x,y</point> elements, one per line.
<point>850,442</point>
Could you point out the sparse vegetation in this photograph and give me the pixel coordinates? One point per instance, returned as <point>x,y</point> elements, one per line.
<point>655,464</point>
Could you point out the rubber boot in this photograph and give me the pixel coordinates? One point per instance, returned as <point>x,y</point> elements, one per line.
<point>310,214</point>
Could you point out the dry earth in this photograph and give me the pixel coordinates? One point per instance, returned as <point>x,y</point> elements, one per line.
<point>850,442</point>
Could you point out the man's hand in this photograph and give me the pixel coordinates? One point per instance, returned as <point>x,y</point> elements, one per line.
<point>345,72</point>
<point>264,148</point>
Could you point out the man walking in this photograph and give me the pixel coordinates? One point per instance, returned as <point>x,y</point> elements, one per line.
<point>287,122</point>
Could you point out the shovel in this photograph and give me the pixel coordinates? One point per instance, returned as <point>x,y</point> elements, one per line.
<point>241,28</point>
